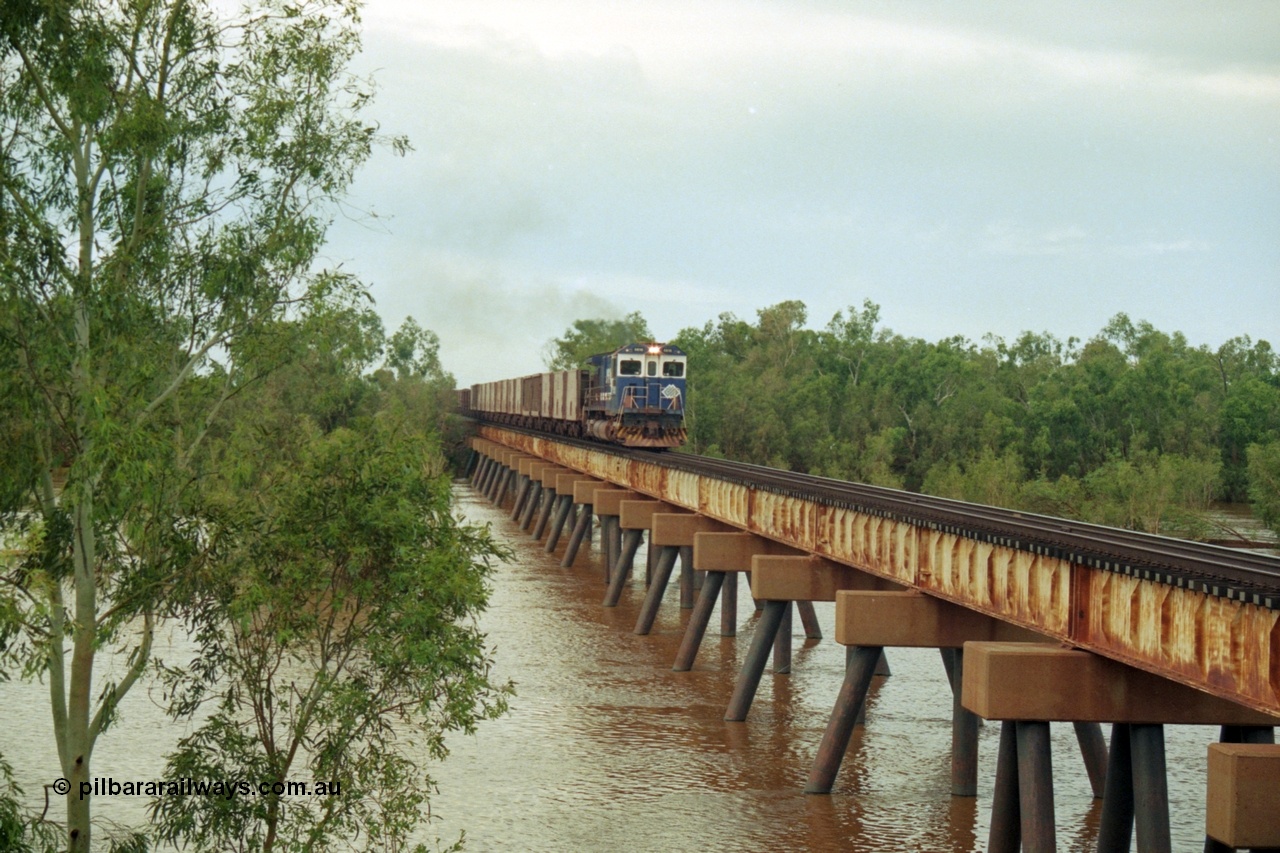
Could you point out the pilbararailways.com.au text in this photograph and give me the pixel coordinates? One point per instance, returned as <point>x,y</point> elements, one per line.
<point>188,787</point>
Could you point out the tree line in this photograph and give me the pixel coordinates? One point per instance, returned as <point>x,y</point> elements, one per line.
<point>1134,427</point>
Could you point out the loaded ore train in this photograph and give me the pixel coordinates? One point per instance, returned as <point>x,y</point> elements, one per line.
<point>633,396</point>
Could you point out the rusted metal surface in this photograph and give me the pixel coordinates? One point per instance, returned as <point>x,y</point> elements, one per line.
<point>1229,646</point>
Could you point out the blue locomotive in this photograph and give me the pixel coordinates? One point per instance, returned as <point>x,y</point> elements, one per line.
<point>634,396</point>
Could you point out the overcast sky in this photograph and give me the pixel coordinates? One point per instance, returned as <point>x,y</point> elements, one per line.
<point>973,168</point>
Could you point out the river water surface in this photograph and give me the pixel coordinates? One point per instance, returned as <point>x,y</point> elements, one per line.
<point>607,749</point>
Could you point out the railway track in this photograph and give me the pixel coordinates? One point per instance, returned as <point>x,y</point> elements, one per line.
<point>1210,569</point>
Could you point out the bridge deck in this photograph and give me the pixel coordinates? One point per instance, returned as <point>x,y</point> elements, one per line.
<point>1220,634</point>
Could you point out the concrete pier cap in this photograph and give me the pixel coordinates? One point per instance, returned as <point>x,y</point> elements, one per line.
<point>732,552</point>
<point>608,501</point>
<point>638,514</point>
<point>1035,681</point>
<point>1243,797</point>
<point>679,529</point>
<point>914,620</point>
<point>807,577</point>
<point>549,475</point>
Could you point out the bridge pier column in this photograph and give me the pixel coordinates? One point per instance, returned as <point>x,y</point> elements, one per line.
<point>787,579</point>
<point>608,506</point>
<point>531,502</point>
<point>529,472</point>
<point>1039,682</point>
<point>581,530</point>
<point>522,491</point>
<point>482,473</point>
<point>871,618</point>
<point>809,619</point>
<point>653,598</point>
<point>722,556</point>
<point>782,642</point>
<point>835,740</point>
<point>768,630</point>
<point>729,605</point>
<point>564,503</point>
<point>964,736</point>
<point>675,531</point>
<point>549,498</point>
<point>698,620</point>
<point>550,477</point>
<point>505,485</point>
<point>689,580</point>
<point>631,540</point>
<point>501,471</point>
<point>490,464</point>
<point>566,489</point>
<point>635,518</point>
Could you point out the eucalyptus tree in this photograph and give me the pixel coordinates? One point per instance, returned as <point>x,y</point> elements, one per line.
<point>166,178</point>
<point>334,607</point>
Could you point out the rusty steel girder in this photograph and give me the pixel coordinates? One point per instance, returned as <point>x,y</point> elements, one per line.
<point>1228,647</point>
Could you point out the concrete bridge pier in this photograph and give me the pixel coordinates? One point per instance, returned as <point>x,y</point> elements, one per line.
<point>1027,685</point>
<point>521,488</point>
<point>526,480</point>
<point>778,581</point>
<point>533,498</point>
<point>490,472</point>
<point>635,518</point>
<point>550,476</point>
<point>673,535</point>
<point>496,471</point>
<point>566,489</point>
<point>608,507</point>
<point>584,498</point>
<point>482,472</point>
<point>723,556</point>
<point>502,476</point>
<point>873,619</point>
<point>499,458</point>
<point>1244,793</point>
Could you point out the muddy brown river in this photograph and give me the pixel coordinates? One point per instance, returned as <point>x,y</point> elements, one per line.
<point>607,749</point>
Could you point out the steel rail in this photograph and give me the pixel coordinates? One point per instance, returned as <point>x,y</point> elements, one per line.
<point>1211,569</point>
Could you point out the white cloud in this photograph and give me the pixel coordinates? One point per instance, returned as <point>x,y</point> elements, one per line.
<point>1006,238</point>
<point>718,44</point>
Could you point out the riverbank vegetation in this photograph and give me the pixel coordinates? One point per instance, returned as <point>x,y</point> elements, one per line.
<point>1134,427</point>
<point>195,430</point>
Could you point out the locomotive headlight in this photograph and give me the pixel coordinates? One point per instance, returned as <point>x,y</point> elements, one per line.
<point>654,349</point>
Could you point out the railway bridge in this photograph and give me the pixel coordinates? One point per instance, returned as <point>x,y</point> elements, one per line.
<point>1038,620</point>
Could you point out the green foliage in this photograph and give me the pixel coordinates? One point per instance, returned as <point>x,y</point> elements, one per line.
<point>415,352</point>
<point>335,619</point>
<point>1264,482</point>
<point>166,178</point>
<point>585,338</point>
<point>1133,427</point>
<point>21,832</point>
